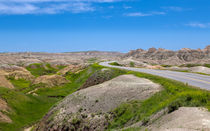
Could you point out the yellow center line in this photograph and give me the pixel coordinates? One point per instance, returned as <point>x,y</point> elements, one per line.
<point>206,82</point>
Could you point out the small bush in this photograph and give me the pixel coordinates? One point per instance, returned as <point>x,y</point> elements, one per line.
<point>115,64</point>
<point>132,64</point>
<point>166,65</point>
<point>207,65</point>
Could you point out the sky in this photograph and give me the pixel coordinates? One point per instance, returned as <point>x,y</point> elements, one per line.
<point>104,25</point>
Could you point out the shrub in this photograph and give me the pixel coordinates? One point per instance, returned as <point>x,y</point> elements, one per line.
<point>115,64</point>
<point>132,64</point>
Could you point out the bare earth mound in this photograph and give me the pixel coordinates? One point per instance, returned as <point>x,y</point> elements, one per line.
<point>4,108</point>
<point>71,68</point>
<point>16,72</point>
<point>51,80</point>
<point>184,119</point>
<point>26,75</point>
<point>4,82</point>
<point>201,69</point>
<point>88,109</point>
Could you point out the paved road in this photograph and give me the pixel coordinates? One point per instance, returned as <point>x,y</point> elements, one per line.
<point>202,81</point>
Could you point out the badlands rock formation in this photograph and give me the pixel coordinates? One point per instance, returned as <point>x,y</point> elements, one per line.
<point>5,83</point>
<point>184,119</point>
<point>27,58</point>
<point>51,80</point>
<point>168,57</point>
<point>4,108</point>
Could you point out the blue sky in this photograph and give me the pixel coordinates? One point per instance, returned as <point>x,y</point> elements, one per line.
<point>105,25</point>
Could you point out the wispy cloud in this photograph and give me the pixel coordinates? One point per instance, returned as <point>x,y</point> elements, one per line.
<point>173,8</point>
<point>127,7</point>
<point>28,8</point>
<point>198,25</point>
<point>140,14</point>
<point>48,6</point>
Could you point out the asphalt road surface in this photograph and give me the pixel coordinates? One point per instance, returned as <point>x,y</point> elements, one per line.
<point>193,79</point>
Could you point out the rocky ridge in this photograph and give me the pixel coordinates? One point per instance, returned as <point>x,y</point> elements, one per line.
<point>168,57</point>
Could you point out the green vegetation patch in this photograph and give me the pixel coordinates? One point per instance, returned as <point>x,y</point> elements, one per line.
<point>166,65</point>
<point>26,109</point>
<point>20,84</point>
<point>132,64</point>
<point>193,65</point>
<point>92,60</point>
<point>77,80</point>
<point>115,64</point>
<point>174,95</point>
<point>39,69</point>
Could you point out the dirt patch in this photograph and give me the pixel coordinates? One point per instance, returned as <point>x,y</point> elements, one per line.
<point>51,80</point>
<point>200,69</point>
<point>71,68</point>
<point>2,72</point>
<point>184,119</point>
<point>154,67</point>
<point>16,73</point>
<point>88,109</point>
<point>4,118</point>
<point>4,108</point>
<point>176,68</point>
<point>26,75</point>
<point>5,83</point>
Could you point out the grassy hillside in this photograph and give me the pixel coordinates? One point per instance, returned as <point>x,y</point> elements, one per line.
<point>174,95</point>
<point>39,69</point>
<point>28,109</point>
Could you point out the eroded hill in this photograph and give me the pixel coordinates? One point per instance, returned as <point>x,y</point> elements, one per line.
<point>169,57</point>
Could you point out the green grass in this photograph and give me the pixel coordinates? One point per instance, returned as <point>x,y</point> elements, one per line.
<point>59,67</point>
<point>193,65</point>
<point>27,109</point>
<point>166,65</point>
<point>132,64</point>
<point>76,81</point>
<point>92,60</point>
<point>39,69</point>
<point>115,64</point>
<point>20,84</point>
<point>174,95</point>
<point>133,129</point>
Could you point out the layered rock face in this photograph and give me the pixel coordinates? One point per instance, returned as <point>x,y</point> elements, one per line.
<point>27,58</point>
<point>51,80</point>
<point>163,56</point>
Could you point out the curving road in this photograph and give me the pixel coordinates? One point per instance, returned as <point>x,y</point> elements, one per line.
<point>202,81</point>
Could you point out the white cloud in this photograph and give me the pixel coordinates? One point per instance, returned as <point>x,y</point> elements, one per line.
<point>111,7</point>
<point>48,6</point>
<point>140,14</point>
<point>199,25</point>
<point>127,7</point>
<point>173,8</point>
